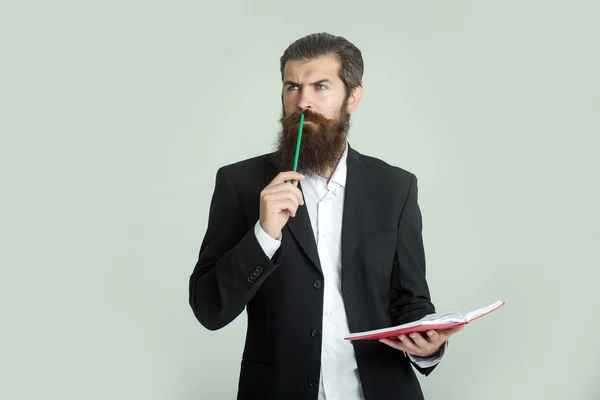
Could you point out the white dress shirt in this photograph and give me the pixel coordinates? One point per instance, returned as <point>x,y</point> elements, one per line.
<point>324,200</point>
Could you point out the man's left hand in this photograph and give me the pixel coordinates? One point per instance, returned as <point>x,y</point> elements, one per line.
<point>422,345</point>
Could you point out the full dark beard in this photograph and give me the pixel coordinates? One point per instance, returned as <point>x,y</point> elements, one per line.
<point>323,142</point>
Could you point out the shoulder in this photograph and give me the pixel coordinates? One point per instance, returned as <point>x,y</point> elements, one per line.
<point>248,166</point>
<point>384,169</point>
<point>246,177</point>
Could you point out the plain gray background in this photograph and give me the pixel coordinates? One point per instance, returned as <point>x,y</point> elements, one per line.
<point>115,116</point>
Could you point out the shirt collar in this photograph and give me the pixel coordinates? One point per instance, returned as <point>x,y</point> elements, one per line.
<point>341,169</point>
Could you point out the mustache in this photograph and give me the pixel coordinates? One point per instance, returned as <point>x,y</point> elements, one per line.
<point>294,119</point>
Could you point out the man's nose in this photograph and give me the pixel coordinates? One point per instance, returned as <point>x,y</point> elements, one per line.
<point>302,109</point>
<point>305,102</point>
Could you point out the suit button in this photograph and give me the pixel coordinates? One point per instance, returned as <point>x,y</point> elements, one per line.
<point>250,279</point>
<point>312,382</point>
<point>315,333</point>
<point>317,284</point>
<point>259,269</point>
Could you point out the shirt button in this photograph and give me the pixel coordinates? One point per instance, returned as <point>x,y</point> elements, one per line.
<point>317,284</point>
<point>312,382</point>
<point>315,333</point>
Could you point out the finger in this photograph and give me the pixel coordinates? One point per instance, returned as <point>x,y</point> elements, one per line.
<point>285,177</point>
<point>409,344</point>
<point>422,343</point>
<point>298,193</point>
<point>434,336</point>
<point>446,333</point>
<point>394,344</point>
<point>282,195</point>
<point>288,205</point>
<point>284,187</point>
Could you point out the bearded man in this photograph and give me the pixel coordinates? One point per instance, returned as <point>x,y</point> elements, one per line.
<point>314,255</point>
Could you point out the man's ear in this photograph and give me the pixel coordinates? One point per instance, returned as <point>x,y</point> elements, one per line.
<point>354,99</point>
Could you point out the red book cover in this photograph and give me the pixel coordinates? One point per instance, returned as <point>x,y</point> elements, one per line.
<point>435,321</point>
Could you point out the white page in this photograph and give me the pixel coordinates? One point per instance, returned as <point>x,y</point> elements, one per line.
<point>441,318</point>
<point>472,314</point>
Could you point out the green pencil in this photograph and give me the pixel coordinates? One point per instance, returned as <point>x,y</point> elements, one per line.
<point>298,143</point>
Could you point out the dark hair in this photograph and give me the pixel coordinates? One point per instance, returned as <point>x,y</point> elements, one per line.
<point>325,44</point>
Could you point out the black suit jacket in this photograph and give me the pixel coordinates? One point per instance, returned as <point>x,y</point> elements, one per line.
<point>383,280</point>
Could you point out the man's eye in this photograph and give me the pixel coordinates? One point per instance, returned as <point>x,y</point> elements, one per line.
<point>290,88</point>
<point>321,86</point>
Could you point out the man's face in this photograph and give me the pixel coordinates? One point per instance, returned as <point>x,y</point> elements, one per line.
<point>313,87</point>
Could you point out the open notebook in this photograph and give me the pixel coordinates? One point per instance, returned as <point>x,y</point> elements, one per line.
<point>433,321</point>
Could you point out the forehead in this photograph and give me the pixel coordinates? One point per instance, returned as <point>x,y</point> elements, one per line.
<point>313,69</point>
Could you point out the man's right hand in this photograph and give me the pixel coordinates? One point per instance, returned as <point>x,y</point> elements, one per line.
<point>278,201</point>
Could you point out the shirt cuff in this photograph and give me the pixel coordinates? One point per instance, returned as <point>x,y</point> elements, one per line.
<point>427,362</point>
<point>267,243</point>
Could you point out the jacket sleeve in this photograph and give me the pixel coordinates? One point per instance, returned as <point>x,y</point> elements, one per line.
<point>410,299</point>
<point>231,264</point>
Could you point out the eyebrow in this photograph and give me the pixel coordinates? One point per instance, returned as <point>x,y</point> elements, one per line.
<point>326,80</point>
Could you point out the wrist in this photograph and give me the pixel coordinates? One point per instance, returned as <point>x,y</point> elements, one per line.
<point>273,234</point>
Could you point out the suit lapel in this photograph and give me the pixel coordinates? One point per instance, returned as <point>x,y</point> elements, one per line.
<point>353,206</point>
<point>301,229</point>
